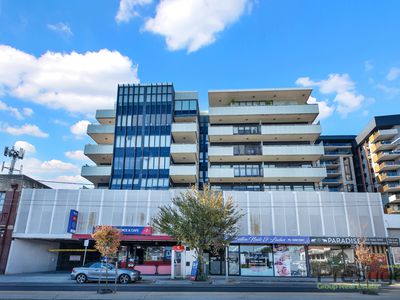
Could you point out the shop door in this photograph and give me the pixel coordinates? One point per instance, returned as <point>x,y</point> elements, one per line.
<point>217,263</point>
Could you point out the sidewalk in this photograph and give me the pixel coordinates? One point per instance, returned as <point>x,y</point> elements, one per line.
<point>64,278</point>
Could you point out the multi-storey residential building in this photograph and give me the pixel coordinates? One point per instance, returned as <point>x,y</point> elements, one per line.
<point>149,141</point>
<point>379,154</point>
<point>341,163</point>
<point>264,140</point>
<point>249,140</point>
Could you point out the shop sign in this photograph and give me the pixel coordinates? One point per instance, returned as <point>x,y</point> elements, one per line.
<point>135,230</point>
<point>193,272</point>
<point>346,240</point>
<point>394,242</point>
<point>132,230</point>
<point>178,248</point>
<point>272,239</point>
<point>72,221</point>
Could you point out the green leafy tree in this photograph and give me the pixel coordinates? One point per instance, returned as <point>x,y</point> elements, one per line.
<point>200,219</point>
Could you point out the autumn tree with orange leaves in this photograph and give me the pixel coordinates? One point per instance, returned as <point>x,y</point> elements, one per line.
<point>364,257</point>
<point>107,240</point>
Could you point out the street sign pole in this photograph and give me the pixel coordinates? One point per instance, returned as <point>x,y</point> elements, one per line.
<point>226,264</point>
<point>86,244</point>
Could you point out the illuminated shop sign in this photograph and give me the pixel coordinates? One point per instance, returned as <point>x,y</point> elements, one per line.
<point>272,239</point>
<point>326,240</point>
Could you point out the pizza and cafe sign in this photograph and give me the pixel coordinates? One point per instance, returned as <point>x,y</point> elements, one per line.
<point>306,240</point>
<point>132,230</point>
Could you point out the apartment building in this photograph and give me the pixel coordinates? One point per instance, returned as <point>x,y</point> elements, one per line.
<point>379,154</point>
<point>341,162</point>
<point>149,141</point>
<point>248,140</point>
<point>264,140</point>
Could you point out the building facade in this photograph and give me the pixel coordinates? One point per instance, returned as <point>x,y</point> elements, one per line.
<point>10,190</point>
<point>379,155</point>
<point>309,233</point>
<point>248,140</point>
<point>341,162</point>
<point>150,141</point>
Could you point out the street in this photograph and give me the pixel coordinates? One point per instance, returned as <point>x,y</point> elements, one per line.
<point>56,285</point>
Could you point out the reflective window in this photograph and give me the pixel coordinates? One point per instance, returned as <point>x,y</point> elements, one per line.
<point>256,260</point>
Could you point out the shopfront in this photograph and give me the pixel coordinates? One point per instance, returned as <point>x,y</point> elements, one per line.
<point>299,256</point>
<point>142,250</point>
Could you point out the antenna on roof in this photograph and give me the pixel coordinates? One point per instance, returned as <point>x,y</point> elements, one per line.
<point>15,155</point>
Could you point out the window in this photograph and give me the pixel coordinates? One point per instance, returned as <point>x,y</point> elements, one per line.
<point>2,199</point>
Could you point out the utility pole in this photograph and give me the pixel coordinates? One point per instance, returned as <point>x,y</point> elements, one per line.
<point>15,155</point>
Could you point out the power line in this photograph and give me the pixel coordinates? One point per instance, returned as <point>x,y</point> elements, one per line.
<point>63,182</point>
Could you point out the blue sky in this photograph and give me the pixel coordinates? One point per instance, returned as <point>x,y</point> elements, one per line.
<point>60,60</point>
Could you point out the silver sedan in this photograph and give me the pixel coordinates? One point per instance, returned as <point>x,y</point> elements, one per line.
<point>96,271</point>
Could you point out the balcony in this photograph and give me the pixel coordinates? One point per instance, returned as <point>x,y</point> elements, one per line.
<point>101,134</point>
<point>383,145</point>
<point>257,133</point>
<point>391,187</point>
<point>333,173</point>
<point>383,134</point>
<point>386,155</point>
<point>96,174</point>
<point>332,181</point>
<point>184,153</point>
<point>183,173</point>
<point>294,174</point>
<point>105,116</point>
<point>290,174</point>
<point>184,132</point>
<point>267,114</point>
<point>389,176</point>
<point>293,153</point>
<point>330,164</point>
<point>387,166</point>
<point>394,198</point>
<point>254,153</point>
<point>100,154</point>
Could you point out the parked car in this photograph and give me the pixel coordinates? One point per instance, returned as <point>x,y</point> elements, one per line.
<point>96,271</point>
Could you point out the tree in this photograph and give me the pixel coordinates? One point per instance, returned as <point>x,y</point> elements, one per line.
<point>107,242</point>
<point>201,220</point>
<point>364,257</point>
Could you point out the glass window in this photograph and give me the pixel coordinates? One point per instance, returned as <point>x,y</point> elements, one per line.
<point>185,105</point>
<point>2,199</point>
<point>290,260</point>
<point>256,260</point>
<point>178,105</point>
<point>326,260</point>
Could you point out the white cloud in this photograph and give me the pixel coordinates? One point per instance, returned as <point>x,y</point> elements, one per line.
<point>60,122</point>
<point>27,129</point>
<point>76,155</point>
<point>391,91</point>
<point>79,128</point>
<point>393,74</point>
<point>127,9</point>
<point>12,110</point>
<point>194,24</point>
<point>29,148</point>
<point>53,170</point>
<point>365,113</point>
<point>368,66</point>
<point>55,164</point>
<point>61,28</point>
<point>27,111</point>
<point>78,83</point>
<point>347,98</point>
<point>325,110</point>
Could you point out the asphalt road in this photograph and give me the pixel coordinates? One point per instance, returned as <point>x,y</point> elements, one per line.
<point>176,288</point>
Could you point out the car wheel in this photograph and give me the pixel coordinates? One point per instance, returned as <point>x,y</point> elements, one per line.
<point>124,279</point>
<point>81,278</point>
